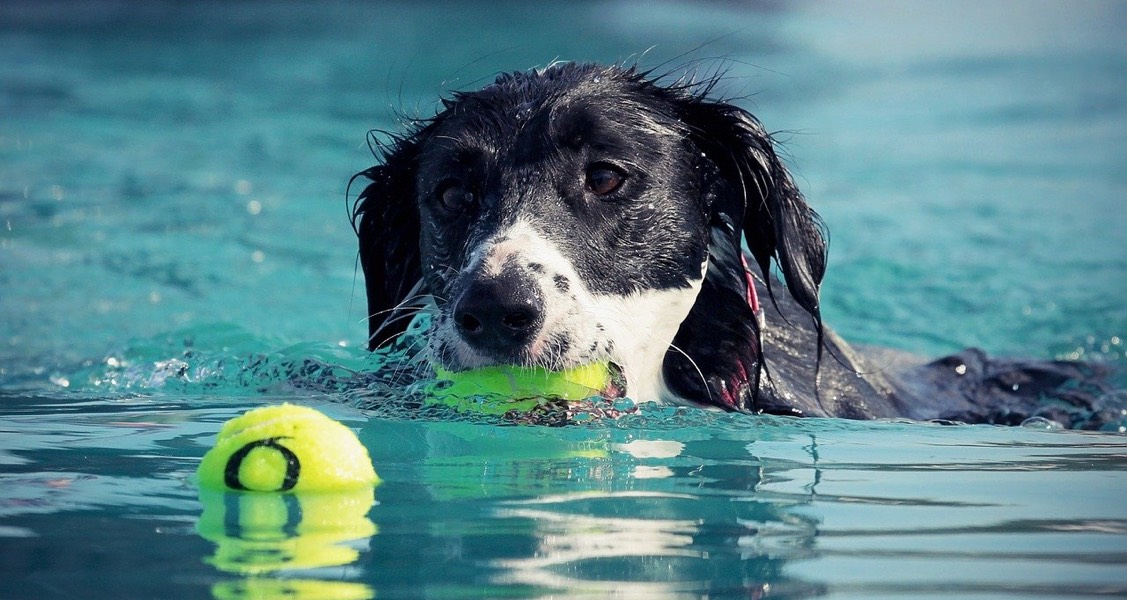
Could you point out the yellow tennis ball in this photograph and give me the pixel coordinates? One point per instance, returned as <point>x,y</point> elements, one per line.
<point>286,448</point>
<point>521,387</point>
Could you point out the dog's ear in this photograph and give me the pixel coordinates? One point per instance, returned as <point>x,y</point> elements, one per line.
<point>757,193</point>
<point>386,220</point>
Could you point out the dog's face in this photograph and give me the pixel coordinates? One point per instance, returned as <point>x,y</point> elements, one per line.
<point>561,224</point>
<point>557,218</point>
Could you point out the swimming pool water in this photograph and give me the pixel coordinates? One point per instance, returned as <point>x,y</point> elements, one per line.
<point>175,250</point>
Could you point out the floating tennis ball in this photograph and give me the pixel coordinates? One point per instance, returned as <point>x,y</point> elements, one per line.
<point>286,448</point>
<point>520,388</point>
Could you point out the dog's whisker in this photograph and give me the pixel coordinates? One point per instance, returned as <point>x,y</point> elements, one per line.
<point>700,373</point>
<point>408,304</point>
<point>410,369</point>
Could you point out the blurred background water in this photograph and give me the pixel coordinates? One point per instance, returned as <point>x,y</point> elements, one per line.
<point>175,248</point>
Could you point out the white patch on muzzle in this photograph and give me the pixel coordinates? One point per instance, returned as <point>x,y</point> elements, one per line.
<point>633,331</point>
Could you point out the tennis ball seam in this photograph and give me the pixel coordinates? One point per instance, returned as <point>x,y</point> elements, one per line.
<point>232,472</point>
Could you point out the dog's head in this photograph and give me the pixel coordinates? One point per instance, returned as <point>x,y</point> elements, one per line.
<point>572,214</point>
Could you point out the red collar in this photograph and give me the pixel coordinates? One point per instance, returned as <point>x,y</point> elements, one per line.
<point>752,297</point>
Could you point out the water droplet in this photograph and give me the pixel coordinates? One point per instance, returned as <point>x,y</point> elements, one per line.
<point>625,405</point>
<point>1041,423</point>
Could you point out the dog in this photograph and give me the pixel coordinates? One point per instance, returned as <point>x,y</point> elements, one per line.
<point>582,213</point>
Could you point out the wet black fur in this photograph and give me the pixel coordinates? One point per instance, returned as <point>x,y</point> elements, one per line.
<point>707,178</point>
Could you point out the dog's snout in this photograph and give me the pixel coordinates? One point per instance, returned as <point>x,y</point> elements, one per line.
<point>500,314</point>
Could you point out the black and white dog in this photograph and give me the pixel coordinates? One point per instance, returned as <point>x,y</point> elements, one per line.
<point>581,213</point>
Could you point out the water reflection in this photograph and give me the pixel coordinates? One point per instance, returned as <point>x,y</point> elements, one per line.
<point>576,550</point>
<point>668,536</point>
<point>262,535</point>
<point>562,511</point>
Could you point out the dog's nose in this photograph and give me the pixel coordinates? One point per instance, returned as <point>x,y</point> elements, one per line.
<point>500,313</point>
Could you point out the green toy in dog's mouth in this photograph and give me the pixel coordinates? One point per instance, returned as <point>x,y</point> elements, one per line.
<point>500,389</point>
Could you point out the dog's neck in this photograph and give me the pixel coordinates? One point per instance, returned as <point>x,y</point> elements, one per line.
<point>715,358</point>
<point>643,326</point>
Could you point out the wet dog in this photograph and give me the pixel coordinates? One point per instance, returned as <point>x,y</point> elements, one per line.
<point>583,213</point>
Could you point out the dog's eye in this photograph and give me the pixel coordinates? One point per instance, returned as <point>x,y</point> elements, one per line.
<point>603,178</point>
<point>455,197</point>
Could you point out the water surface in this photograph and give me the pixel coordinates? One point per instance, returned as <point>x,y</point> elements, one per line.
<point>175,250</point>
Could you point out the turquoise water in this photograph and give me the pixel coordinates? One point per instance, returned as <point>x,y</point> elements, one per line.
<point>175,249</point>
